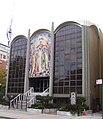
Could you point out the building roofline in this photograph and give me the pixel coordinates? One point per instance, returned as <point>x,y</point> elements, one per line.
<point>39,30</point>
<point>79,23</point>
<point>4,45</point>
<point>18,36</point>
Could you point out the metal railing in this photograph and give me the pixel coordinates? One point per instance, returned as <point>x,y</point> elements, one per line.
<point>31,101</point>
<point>31,90</point>
<point>14,101</point>
<point>45,93</point>
<point>21,100</point>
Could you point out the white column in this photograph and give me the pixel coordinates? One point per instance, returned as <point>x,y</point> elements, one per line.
<point>26,82</point>
<point>85,63</point>
<point>52,61</point>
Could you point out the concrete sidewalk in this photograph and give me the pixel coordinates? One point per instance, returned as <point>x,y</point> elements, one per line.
<point>29,115</point>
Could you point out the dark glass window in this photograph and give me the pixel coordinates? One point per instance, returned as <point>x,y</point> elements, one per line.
<point>66,90</point>
<point>68,59</point>
<point>17,65</point>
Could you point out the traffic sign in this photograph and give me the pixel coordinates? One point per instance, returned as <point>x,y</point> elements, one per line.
<point>99,81</point>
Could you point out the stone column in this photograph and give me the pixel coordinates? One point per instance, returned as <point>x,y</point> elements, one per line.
<point>26,82</point>
<point>52,61</point>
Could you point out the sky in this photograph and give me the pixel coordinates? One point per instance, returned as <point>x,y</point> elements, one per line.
<point>38,14</point>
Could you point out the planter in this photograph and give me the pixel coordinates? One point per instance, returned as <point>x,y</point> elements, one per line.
<point>88,112</point>
<point>37,111</point>
<point>4,107</point>
<point>53,110</point>
<point>64,113</point>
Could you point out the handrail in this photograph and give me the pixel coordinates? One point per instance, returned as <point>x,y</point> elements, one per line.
<point>29,102</point>
<point>46,91</point>
<point>29,91</point>
<point>20,97</point>
<point>15,97</point>
<point>14,100</point>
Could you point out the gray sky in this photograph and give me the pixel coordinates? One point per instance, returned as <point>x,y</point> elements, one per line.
<point>37,14</point>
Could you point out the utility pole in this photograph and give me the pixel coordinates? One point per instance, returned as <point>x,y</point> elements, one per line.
<point>102,98</point>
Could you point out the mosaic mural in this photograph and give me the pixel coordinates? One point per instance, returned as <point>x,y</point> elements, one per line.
<point>40,55</point>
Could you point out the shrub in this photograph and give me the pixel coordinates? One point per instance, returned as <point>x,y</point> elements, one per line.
<point>50,105</point>
<point>63,109</point>
<point>44,102</point>
<point>38,106</point>
<point>3,102</point>
<point>78,108</point>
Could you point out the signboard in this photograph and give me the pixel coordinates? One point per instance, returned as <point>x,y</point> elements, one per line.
<point>73,98</point>
<point>99,81</point>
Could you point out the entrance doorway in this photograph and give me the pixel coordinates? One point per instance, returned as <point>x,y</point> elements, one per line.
<point>39,84</point>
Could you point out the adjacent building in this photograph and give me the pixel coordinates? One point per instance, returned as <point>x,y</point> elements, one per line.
<point>65,60</point>
<point>4,50</point>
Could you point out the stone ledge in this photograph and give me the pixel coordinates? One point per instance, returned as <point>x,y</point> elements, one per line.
<point>64,113</point>
<point>4,107</point>
<point>37,111</point>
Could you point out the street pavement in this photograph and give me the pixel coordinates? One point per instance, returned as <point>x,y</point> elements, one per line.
<point>16,114</point>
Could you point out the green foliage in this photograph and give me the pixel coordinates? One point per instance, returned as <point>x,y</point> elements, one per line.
<point>81,104</point>
<point>2,76</point>
<point>43,102</point>
<point>44,99</point>
<point>37,106</point>
<point>4,102</point>
<point>80,100</point>
<point>63,108</point>
<point>50,105</point>
<point>2,82</point>
<point>78,108</point>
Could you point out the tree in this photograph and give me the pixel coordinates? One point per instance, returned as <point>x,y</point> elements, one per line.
<point>80,106</point>
<point>2,81</point>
